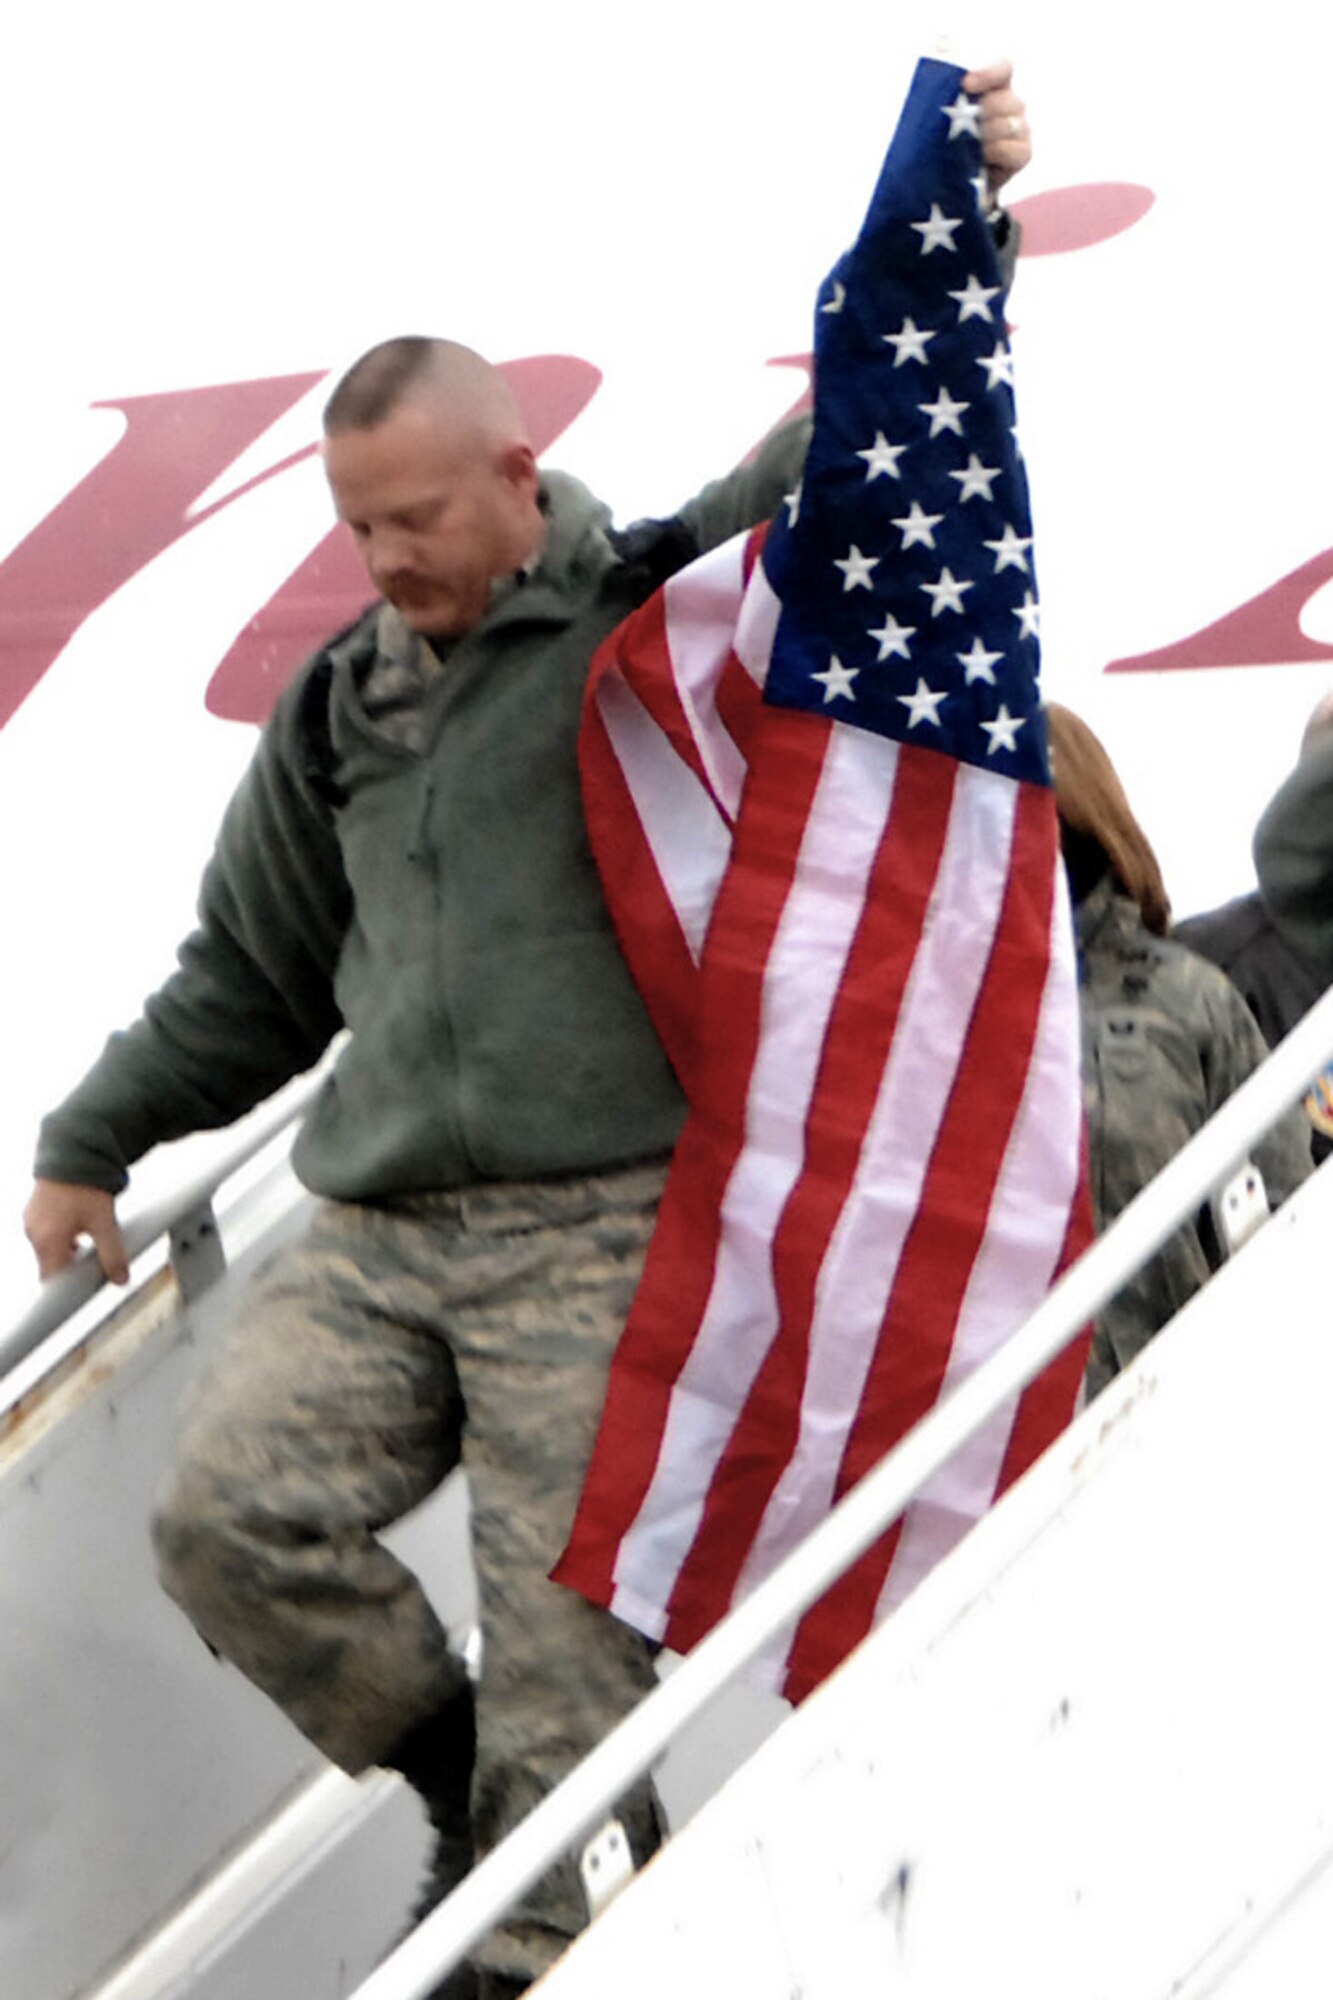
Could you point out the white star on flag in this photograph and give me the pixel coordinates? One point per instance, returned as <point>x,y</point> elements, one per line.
<point>922,705</point>
<point>837,679</point>
<point>977,662</point>
<point>909,343</point>
<point>944,413</point>
<point>974,299</point>
<point>916,525</point>
<point>1009,549</point>
<point>975,479</point>
<point>964,115</point>
<point>792,502</point>
<point>1028,614</point>
<point>998,364</point>
<point>947,593</point>
<point>893,637</point>
<point>1003,732</point>
<point>938,230</point>
<point>882,456</point>
<point>856,569</point>
<point>839,299</point>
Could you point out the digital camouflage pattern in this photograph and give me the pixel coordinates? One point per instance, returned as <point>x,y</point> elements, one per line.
<point>387,1347</point>
<point>1278,986</point>
<point>1166,1039</point>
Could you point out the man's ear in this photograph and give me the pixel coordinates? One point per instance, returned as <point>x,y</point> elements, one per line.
<point>518,463</point>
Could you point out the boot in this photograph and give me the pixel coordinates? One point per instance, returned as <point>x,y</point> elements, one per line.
<point>436,1758</point>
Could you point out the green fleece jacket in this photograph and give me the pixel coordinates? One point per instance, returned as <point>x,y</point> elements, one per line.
<point>442,905</point>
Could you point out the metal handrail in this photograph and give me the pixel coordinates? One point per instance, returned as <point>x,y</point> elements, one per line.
<point>60,1297</point>
<point>584,1798</point>
<point>578,1804</point>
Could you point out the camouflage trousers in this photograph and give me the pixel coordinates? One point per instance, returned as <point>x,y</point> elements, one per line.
<point>382,1350</point>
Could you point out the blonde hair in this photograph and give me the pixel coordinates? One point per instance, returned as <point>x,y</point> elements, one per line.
<point>1091,800</point>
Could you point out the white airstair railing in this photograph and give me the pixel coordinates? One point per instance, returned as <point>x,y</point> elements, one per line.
<point>577,1806</point>
<point>582,1801</point>
<point>184,1218</point>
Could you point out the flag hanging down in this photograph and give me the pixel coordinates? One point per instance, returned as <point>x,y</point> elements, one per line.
<point>816,781</point>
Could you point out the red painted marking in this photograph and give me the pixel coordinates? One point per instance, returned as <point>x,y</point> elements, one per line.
<point>1264,632</point>
<point>134,505</point>
<point>126,511</point>
<point>1074,218</point>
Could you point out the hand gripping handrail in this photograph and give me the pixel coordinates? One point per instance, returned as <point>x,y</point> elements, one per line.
<point>60,1297</point>
<point>584,1798</point>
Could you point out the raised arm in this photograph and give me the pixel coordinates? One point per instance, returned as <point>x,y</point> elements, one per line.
<point>754,491</point>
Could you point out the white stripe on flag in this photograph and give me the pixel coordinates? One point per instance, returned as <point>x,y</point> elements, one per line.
<point>1014,1270</point>
<point>801,983</point>
<point>689,838</point>
<point>757,625</point>
<point>700,633</point>
<point>861,1264</point>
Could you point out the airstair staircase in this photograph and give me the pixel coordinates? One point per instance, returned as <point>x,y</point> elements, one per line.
<point>1091,1756</point>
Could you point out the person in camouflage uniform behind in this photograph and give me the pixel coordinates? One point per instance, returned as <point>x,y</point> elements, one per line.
<point>1166,1039</point>
<point>1280,980</point>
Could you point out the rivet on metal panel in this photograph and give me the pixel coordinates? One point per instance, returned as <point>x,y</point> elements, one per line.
<point>197,1256</point>
<point>1242,1206</point>
<point>606,1865</point>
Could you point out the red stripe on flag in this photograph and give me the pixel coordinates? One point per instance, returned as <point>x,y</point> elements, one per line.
<point>861,1029</point>
<point>641,908</point>
<point>674,1291</point>
<point>1044,1407</point>
<point>916,1335</point>
<point>740,705</point>
<point>640,652</point>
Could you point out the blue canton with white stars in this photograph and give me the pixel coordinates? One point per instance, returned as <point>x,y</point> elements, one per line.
<point>904,558</point>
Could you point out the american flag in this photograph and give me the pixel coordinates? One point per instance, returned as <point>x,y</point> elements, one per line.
<point>816,777</point>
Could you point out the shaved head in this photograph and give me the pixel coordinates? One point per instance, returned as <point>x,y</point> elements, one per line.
<point>454,381</point>
<point>432,469</point>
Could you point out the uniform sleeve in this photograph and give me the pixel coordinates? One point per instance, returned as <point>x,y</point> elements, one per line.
<point>1232,1052</point>
<point>1293,855</point>
<point>753,492</point>
<point>1007,231</point>
<point>251,1002</point>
